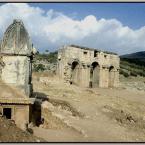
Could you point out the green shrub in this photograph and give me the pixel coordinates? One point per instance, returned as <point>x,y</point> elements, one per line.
<point>39,67</point>
<point>51,57</point>
<point>133,74</point>
<point>124,73</point>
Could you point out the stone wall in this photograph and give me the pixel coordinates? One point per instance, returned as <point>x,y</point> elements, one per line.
<point>19,113</point>
<point>1,66</point>
<point>88,67</point>
<point>17,72</point>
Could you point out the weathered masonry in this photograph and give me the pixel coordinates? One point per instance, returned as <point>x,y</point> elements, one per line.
<point>16,54</point>
<point>15,105</point>
<point>88,67</point>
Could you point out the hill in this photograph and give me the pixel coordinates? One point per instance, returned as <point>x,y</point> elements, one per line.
<point>138,55</point>
<point>133,64</point>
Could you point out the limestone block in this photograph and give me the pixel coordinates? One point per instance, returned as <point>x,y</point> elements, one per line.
<point>21,116</point>
<point>15,70</point>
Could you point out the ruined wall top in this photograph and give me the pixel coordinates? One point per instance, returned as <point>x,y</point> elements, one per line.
<point>91,49</point>
<point>87,56</point>
<point>16,40</point>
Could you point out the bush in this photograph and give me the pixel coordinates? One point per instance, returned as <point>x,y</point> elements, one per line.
<point>133,74</point>
<point>125,74</point>
<point>51,57</point>
<point>39,67</point>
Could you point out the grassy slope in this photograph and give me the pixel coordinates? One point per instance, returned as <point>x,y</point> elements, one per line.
<point>133,67</point>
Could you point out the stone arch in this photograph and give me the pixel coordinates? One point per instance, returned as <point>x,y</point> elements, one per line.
<point>74,72</point>
<point>94,74</point>
<point>111,76</point>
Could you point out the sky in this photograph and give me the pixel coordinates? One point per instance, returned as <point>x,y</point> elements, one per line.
<point>116,27</point>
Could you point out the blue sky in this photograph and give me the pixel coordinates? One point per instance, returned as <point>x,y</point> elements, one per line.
<point>130,14</point>
<point>116,27</point>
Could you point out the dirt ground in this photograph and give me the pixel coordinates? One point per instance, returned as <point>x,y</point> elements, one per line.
<point>9,132</point>
<point>92,115</point>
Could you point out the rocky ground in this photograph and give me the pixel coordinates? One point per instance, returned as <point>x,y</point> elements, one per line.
<point>10,133</point>
<point>78,114</point>
<point>133,83</point>
<point>84,114</point>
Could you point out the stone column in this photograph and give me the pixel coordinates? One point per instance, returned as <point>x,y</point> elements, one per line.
<point>84,76</point>
<point>116,78</point>
<point>88,69</point>
<point>106,77</point>
<point>101,76</point>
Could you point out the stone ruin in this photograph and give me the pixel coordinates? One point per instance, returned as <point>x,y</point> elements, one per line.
<point>88,67</point>
<point>16,54</point>
<point>76,65</point>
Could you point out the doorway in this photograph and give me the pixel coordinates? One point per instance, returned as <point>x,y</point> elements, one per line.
<point>7,112</point>
<point>75,73</point>
<point>111,76</point>
<point>94,75</point>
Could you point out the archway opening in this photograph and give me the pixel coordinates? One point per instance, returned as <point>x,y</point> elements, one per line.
<point>74,72</point>
<point>111,76</point>
<point>94,75</point>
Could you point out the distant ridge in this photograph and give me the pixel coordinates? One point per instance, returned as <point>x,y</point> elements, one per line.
<point>138,55</point>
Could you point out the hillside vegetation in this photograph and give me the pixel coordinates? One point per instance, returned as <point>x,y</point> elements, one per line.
<point>51,57</point>
<point>44,62</point>
<point>138,55</point>
<point>132,67</point>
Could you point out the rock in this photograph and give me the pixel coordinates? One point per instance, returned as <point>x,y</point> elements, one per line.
<point>30,130</point>
<point>144,118</point>
<point>37,140</point>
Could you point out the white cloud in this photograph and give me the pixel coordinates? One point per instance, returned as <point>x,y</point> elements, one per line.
<point>51,29</point>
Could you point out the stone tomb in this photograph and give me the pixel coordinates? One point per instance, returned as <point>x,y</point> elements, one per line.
<point>15,106</point>
<point>88,67</point>
<point>16,54</point>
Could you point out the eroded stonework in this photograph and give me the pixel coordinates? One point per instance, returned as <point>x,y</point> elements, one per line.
<point>16,40</point>
<point>88,67</point>
<point>17,53</point>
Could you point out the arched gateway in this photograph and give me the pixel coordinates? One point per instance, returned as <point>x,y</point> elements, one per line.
<point>88,67</point>
<point>94,74</point>
<point>75,72</point>
<point>111,76</point>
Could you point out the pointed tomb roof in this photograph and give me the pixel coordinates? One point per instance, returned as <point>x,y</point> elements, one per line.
<point>16,40</point>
